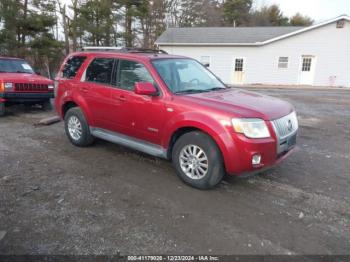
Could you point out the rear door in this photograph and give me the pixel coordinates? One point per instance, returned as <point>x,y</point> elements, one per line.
<point>96,90</point>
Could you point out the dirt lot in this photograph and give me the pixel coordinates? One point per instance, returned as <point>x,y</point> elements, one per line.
<point>59,199</point>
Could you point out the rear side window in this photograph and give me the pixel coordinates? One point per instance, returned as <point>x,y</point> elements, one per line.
<point>72,66</point>
<point>100,70</point>
<point>131,72</point>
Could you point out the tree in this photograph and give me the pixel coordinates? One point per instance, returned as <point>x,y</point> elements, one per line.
<point>269,16</point>
<point>300,20</point>
<point>236,12</point>
<point>188,13</point>
<point>65,25</point>
<point>151,15</point>
<point>27,31</point>
<point>96,21</point>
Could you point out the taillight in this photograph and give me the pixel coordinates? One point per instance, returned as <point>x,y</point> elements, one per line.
<point>2,87</point>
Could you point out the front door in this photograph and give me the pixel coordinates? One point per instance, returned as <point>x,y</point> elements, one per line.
<point>140,116</point>
<point>307,70</point>
<point>239,71</point>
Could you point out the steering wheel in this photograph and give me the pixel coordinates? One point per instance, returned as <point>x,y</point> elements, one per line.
<point>193,80</point>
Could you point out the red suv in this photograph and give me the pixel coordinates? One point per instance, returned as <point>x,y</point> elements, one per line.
<point>175,108</point>
<point>19,84</point>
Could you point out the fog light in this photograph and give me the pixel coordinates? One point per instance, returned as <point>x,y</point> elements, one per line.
<point>256,159</point>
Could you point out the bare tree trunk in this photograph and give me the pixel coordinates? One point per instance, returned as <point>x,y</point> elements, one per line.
<point>25,11</point>
<point>74,25</point>
<point>65,27</point>
<point>128,26</point>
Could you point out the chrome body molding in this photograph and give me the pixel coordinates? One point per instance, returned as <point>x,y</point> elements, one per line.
<point>127,141</point>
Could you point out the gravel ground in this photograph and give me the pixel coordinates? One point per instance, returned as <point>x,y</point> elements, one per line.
<point>59,199</point>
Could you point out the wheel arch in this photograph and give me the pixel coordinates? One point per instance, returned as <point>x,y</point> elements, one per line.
<point>70,103</point>
<point>66,106</point>
<point>219,136</point>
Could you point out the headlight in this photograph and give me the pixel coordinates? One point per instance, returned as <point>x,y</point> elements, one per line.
<point>251,127</point>
<point>8,85</point>
<point>51,86</point>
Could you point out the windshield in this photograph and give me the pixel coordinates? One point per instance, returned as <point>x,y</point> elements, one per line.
<point>15,66</point>
<point>186,76</point>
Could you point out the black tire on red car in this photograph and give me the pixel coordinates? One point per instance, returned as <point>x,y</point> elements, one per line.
<point>2,109</point>
<point>198,160</point>
<point>77,128</point>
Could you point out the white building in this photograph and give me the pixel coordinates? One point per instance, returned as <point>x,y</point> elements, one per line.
<point>317,55</point>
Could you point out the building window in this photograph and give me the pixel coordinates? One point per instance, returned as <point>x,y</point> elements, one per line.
<point>205,60</point>
<point>341,24</point>
<point>306,66</point>
<point>239,64</point>
<point>283,62</point>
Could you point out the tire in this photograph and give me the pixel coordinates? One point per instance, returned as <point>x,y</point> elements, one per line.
<point>46,105</point>
<point>2,109</point>
<point>74,120</point>
<point>184,148</point>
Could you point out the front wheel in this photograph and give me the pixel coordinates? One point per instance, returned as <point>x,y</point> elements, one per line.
<point>198,160</point>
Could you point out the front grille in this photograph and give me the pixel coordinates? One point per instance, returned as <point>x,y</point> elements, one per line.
<point>286,131</point>
<point>26,87</point>
<point>286,125</point>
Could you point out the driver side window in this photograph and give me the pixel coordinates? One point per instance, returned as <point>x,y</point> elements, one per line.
<point>131,72</point>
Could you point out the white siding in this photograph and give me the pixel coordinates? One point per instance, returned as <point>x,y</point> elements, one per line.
<point>330,46</point>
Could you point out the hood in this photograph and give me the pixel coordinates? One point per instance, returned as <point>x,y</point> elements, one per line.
<point>242,103</point>
<point>24,78</point>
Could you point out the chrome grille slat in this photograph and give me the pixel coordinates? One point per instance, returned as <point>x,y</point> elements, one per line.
<point>25,87</point>
<point>282,125</point>
<point>285,128</point>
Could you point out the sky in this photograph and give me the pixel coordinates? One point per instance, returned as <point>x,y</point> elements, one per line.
<point>319,10</point>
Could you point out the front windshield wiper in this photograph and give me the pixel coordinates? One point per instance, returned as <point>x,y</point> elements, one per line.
<point>23,72</point>
<point>190,91</point>
<point>215,88</point>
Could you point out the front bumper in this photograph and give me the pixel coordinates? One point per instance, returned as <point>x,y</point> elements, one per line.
<point>272,150</point>
<point>241,158</point>
<point>25,97</point>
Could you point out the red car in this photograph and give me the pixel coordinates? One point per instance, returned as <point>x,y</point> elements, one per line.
<point>175,108</point>
<point>19,84</point>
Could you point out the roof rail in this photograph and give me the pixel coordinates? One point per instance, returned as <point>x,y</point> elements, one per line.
<point>122,49</point>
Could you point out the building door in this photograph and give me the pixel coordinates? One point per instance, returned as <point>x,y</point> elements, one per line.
<point>307,70</point>
<point>239,71</point>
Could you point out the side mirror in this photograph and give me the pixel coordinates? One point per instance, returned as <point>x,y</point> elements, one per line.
<point>145,88</point>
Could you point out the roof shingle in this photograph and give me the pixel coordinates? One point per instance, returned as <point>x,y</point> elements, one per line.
<point>223,35</point>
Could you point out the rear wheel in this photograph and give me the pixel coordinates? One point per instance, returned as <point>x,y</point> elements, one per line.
<point>77,128</point>
<point>2,109</point>
<point>197,160</point>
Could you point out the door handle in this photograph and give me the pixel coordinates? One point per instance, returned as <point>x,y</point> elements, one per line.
<point>121,98</point>
<point>84,89</point>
